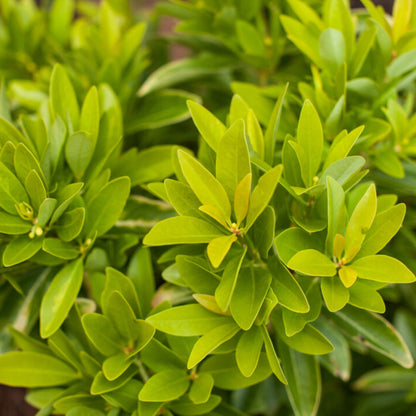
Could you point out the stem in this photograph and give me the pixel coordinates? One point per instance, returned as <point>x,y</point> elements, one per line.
<point>142,370</point>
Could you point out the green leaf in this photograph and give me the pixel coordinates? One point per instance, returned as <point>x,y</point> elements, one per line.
<point>292,240</point>
<point>117,281</point>
<point>11,190</point>
<point>341,146</point>
<point>60,20</point>
<point>182,198</point>
<point>295,322</point>
<point>304,381</point>
<point>186,407</point>
<point>214,213</point>
<point>361,219</point>
<point>102,334</point>
<point>62,346</point>
<point>337,214</point>
<point>158,357</point>
<point>35,189</point>
<point>248,350</point>
<point>65,196</point>
<point>364,296</point>
<point>25,162</point>
<point>46,209</point>
<point>385,226</point>
<point>159,109</point>
<point>20,249</point>
<point>60,297</point>
<point>101,385</point>
<point>148,165</point>
<point>187,320</point>
<point>402,64</point>
<point>210,128</point>
<point>381,268</point>
<point>287,289</point>
<point>310,138</point>
<point>165,386</point>
<point>332,49</point>
<point>149,408</point>
<point>124,397</point>
<point>113,367</point>
<point>262,232</point>
<point>106,207</point>
<point>225,290</point>
<point>196,275</point>
<point>272,357</point>
<point>79,150</point>
<point>308,341</point>
<point>375,333</point>
<point>250,39</point>
<point>242,198</point>
<point>90,115</point>
<point>262,194</point>
<point>312,263</point>
<point>62,96</point>
<point>219,247</point>
<point>303,37</point>
<point>255,134</point>
<point>338,362</point>
<point>71,224</point>
<point>8,132</point>
<point>233,160</point>
<point>205,186</point>
<point>363,47</point>
<point>33,369</point>
<point>201,388</point>
<point>343,170</point>
<point>136,332</point>
<point>210,341</point>
<point>14,225</point>
<point>226,374</point>
<point>181,230</point>
<point>184,70</point>
<point>249,294</point>
<point>335,294</point>
<point>59,248</point>
<point>140,271</point>
<point>273,128</point>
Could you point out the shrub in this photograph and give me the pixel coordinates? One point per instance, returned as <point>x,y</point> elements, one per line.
<point>147,272</point>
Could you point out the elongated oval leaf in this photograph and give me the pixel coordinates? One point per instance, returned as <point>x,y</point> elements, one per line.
<point>287,289</point>
<point>33,369</point>
<point>106,207</point>
<point>376,332</point>
<point>20,249</point>
<point>304,380</point>
<point>60,297</point>
<point>11,190</point>
<point>233,160</point>
<point>187,320</point>
<point>383,268</point>
<point>248,350</point>
<point>262,194</point>
<point>252,286</point>
<point>219,247</point>
<point>385,226</point>
<point>164,386</point>
<point>211,340</point>
<point>205,186</point>
<point>181,230</point>
<point>312,263</point>
<point>210,128</point>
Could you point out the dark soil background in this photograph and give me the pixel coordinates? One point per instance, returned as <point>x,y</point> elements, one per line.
<point>12,402</point>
